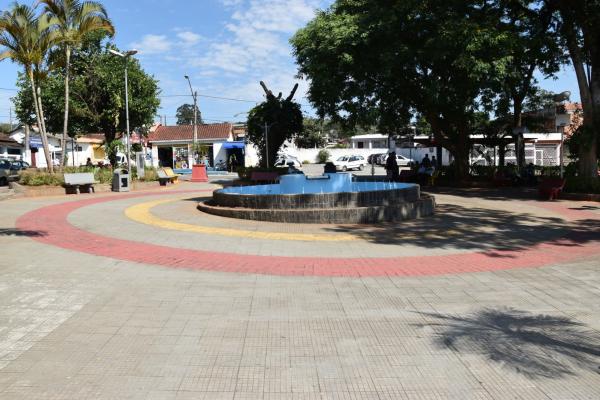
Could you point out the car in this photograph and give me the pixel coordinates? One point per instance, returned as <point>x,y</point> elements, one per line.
<point>9,171</point>
<point>22,164</point>
<point>284,161</point>
<point>346,163</point>
<point>374,158</point>
<point>401,160</point>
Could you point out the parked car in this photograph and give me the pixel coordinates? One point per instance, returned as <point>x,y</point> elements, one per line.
<point>401,160</point>
<point>284,161</point>
<point>346,163</point>
<point>374,158</point>
<point>22,164</point>
<point>9,171</point>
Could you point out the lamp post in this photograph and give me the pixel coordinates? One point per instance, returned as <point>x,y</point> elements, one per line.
<point>126,56</point>
<point>195,97</point>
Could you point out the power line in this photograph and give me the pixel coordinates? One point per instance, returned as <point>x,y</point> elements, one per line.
<point>10,90</point>
<point>212,97</point>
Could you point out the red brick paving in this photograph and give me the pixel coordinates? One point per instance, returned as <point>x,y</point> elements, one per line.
<point>57,231</point>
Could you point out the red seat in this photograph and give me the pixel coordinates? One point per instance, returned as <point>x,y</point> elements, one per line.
<point>550,188</point>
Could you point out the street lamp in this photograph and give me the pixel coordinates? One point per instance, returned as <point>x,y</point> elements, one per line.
<point>195,97</point>
<point>126,56</point>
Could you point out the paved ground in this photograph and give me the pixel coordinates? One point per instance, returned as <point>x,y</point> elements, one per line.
<point>141,296</point>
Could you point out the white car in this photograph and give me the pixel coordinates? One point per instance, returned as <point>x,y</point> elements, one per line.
<point>345,163</point>
<point>284,161</point>
<point>401,160</point>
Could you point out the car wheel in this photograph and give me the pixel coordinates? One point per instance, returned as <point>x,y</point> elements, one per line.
<point>344,168</point>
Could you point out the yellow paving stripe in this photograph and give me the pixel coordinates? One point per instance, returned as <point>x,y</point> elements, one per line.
<point>142,213</point>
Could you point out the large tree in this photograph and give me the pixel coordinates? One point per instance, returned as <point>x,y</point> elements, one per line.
<point>273,122</point>
<point>185,114</point>
<point>579,26</point>
<point>72,21</point>
<point>379,62</point>
<point>98,94</point>
<point>26,40</point>
<point>313,134</point>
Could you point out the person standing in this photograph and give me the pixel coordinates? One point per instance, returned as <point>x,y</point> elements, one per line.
<point>391,166</point>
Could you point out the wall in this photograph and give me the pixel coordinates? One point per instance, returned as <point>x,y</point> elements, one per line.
<point>417,154</point>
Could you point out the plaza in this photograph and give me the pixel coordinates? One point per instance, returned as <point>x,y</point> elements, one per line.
<point>139,295</point>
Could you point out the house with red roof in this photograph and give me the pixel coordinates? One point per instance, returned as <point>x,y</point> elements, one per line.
<point>172,146</point>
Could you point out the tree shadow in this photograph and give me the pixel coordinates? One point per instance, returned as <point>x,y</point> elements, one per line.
<point>21,233</point>
<point>498,194</point>
<point>537,346</point>
<point>475,228</point>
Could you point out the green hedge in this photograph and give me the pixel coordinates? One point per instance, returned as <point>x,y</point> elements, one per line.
<point>578,184</point>
<point>33,177</point>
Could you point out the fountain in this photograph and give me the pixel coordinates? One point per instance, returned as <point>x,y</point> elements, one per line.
<point>330,198</point>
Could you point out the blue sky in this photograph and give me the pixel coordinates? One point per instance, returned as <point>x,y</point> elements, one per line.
<point>225,46</point>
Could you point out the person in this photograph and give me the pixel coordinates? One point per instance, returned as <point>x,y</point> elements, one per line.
<point>232,162</point>
<point>391,166</point>
<point>426,162</point>
<point>329,168</point>
<point>88,163</point>
<point>434,163</point>
<point>292,168</point>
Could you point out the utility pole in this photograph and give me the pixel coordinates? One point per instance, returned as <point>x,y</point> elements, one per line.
<point>10,117</point>
<point>195,97</point>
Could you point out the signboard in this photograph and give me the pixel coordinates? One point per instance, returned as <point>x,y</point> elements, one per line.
<point>35,142</point>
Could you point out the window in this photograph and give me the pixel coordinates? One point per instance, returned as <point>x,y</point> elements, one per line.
<point>78,148</point>
<point>14,152</point>
<point>361,145</point>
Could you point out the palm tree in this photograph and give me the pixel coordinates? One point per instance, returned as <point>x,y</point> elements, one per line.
<point>26,41</point>
<point>72,20</point>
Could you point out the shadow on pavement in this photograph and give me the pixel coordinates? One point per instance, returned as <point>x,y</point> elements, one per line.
<point>538,346</point>
<point>472,228</point>
<point>17,232</point>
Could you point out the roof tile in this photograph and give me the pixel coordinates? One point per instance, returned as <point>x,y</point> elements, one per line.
<point>186,132</point>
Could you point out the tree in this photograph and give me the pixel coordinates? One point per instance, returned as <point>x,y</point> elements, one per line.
<point>26,41</point>
<point>72,20</point>
<point>578,26</point>
<point>97,91</point>
<point>281,118</point>
<point>185,114</point>
<point>381,63</point>
<point>312,135</point>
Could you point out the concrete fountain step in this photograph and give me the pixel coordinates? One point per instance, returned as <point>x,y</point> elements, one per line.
<point>339,215</point>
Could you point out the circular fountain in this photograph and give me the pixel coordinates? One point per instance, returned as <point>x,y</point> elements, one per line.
<point>330,198</point>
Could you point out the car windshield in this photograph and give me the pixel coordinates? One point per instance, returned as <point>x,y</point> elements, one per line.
<point>342,159</point>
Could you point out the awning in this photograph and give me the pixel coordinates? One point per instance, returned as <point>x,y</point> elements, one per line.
<point>234,145</point>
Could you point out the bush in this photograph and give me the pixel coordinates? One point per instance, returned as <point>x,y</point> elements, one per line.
<point>305,162</point>
<point>577,184</point>
<point>323,156</point>
<point>40,178</point>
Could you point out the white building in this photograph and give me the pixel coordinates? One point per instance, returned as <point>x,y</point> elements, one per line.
<point>370,141</point>
<point>10,148</point>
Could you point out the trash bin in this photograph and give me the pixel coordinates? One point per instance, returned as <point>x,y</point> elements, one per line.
<point>120,181</point>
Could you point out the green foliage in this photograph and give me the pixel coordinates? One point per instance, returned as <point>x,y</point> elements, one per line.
<point>281,117</point>
<point>185,114</point>
<point>323,156</point>
<point>305,162</point>
<point>312,135</point>
<point>40,178</point>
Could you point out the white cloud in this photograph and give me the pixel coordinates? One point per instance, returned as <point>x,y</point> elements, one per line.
<point>153,44</point>
<point>189,38</point>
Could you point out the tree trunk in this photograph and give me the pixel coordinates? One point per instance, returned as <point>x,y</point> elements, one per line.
<point>518,129</point>
<point>41,125</point>
<point>26,144</point>
<point>63,141</point>
<point>501,154</point>
<point>461,158</point>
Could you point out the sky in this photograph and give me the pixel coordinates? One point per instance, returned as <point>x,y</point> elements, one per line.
<point>225,46</point>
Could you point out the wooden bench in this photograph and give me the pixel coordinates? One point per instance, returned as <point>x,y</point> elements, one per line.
<point>550,188</point>
<point>164,178</point>
<point>257,176</point>
<point>80,182</point>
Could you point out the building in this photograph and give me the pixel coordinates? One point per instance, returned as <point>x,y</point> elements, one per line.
<point>87,146</point>
<point>370,141</point>
<point>34,152</point>
<point>10,148</point>
<point>172,145</point>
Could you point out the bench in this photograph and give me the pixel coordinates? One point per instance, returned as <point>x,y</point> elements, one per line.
<point>257,176</point>
<point>164,178</point>
<point>80,182</point>
<point>169,171</point>
<point>550,188</point>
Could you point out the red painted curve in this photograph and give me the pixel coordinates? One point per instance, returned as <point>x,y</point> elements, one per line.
<point>52,223</point>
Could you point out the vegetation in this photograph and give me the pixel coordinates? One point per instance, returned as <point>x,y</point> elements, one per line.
<point>185,115</point>
<point>280,117</point>
<point>33,177</point>
<point>312,135</point>
<point>323,156</point>
<point>71,21</point>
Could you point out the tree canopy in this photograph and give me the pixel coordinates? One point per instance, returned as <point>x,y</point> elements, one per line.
<point>273,122</point>
<point>185,114</point>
